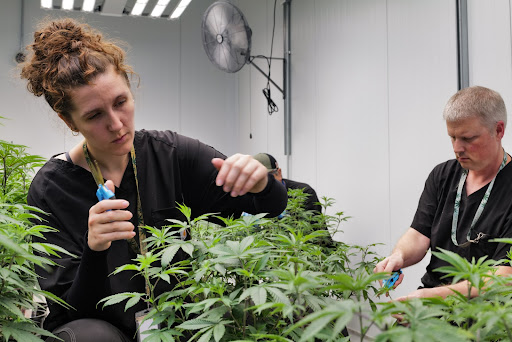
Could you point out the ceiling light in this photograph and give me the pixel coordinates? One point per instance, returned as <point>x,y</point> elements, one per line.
<point>179,9</point>
<point>46,3</point>
<point>67,4</point>
<point>88,5</point>
<point>159,8</point>
<point>139,6</point>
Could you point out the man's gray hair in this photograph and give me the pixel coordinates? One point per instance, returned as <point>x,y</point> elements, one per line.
<point>476,101</point>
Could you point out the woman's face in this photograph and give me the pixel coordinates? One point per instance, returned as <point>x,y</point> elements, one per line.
<point>103,113</point>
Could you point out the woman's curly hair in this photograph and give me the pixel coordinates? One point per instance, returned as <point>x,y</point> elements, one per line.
<point>66,54</point>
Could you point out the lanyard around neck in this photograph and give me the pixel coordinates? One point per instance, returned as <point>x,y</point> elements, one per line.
<point>141,247</point>
<point>480,207</point>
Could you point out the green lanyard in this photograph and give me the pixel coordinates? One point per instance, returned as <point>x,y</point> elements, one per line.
<point>140,247</point>
<point>480,207</point>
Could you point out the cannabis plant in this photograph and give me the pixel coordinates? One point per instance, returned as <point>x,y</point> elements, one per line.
<point>18,254</point>
<point>259,279</point>
<point>16,170</point>
<point>487,317</point>
<point>251,279</point>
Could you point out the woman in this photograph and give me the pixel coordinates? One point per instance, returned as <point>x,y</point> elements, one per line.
<point>84,79</point>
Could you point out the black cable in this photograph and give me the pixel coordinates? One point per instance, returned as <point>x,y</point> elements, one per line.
<point>271,106</point>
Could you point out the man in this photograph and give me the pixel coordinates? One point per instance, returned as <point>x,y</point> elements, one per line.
<point>273,167</point>
<point>447,214</point>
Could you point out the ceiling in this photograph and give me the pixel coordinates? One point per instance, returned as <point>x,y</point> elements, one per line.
<point>119,7</point>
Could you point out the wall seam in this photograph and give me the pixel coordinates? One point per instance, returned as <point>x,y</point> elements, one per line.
<point>180,110</point>
<point>510,28</point>
<point>389,125</point>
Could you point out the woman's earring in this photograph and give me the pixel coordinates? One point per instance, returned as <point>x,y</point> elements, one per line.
<point>74,133</point>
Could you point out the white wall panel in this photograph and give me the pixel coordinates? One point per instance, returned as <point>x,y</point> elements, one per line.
<point>422,76</point>
<point>207,93</point>
<point>351,106</point>
<point>490,45</point>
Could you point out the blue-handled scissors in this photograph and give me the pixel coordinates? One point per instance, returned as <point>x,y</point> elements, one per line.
<point>388,283</point>
<point>103,192</point>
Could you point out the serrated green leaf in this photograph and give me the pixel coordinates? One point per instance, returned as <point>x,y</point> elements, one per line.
<point>218,332</point>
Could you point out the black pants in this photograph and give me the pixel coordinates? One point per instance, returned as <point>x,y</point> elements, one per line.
<point>89,330</point>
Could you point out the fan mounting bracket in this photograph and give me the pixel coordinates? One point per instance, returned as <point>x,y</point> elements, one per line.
<point>267,75</point>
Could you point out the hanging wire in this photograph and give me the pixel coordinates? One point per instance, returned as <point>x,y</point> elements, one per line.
<point>271,106</point>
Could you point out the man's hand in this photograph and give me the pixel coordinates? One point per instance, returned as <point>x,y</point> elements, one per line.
<point>409,250</point>
<point>108,222</point>
<point>240,174</point>
<point>392,263</point>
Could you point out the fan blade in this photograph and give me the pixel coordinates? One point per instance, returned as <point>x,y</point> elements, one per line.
<point>211,23</point>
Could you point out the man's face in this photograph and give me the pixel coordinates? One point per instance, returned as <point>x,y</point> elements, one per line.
<point>277,174</point>
<point>475,146</point>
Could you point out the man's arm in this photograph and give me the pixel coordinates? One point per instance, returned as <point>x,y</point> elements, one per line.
<point>409,250</point>
<point>444,291</point>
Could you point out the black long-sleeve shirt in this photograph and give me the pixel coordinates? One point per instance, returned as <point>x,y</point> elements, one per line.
<point>170,168</point>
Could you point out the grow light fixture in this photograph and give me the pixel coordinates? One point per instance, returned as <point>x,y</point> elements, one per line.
<point>88,5</point>
<point>159,8</point>
<point>139,7</point>
<point>67,5</point>
<point>179,9</point>
<point>46,4</point>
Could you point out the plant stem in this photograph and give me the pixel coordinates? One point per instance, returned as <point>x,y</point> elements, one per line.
<point>4,185</point>
<point>509,333</point>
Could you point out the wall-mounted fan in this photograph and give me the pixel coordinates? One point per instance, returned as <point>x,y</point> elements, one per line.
<point>227,38</point>
<point>227,42</point>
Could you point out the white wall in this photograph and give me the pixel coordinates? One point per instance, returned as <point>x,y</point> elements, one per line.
<point>490,46</point>
<point>179,87</point>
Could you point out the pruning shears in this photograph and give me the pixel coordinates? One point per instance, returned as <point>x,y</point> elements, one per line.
<point>388,283</point>
<point>103,192</point>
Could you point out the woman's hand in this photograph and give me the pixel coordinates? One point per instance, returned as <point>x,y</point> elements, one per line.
<point>240,174</point>
<point>108,222</point>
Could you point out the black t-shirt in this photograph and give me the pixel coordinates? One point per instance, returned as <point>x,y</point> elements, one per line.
<point>170,168</point>
<point>433,217</point>
<point>312,199</point>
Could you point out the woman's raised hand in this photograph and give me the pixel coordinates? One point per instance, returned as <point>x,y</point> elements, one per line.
<point>240,174</point>
<point>109,222</point>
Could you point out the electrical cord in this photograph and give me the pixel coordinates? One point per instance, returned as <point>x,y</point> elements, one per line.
<point>271,106</point>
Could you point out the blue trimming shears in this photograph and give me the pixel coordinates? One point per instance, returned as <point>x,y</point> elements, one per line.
<point>103,192</point>
<point>388,283</point>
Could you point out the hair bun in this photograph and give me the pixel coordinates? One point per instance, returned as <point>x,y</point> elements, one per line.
<point>74,45</point>
<point>65,54</point>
